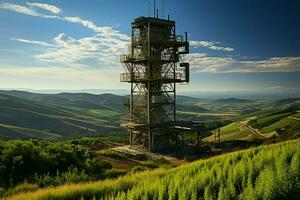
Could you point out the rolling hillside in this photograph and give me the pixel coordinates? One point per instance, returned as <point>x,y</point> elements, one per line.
<point>282,121</point>
<point>267,172</point>
<point>26,115</point>
<point>45,119</point>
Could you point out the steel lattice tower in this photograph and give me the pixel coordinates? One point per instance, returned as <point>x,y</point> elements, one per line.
<point>153,65</point>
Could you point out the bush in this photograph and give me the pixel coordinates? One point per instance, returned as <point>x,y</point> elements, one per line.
<point>46,161</point>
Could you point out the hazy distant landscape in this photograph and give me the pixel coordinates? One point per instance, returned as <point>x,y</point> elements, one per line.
<point>73,115</point>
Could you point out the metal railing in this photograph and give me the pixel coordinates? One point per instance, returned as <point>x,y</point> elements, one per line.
<point>132,77</point>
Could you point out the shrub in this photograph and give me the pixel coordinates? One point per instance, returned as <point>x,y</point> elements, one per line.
<point>44,162</point>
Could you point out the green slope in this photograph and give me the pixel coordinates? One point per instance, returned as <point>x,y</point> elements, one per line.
<point>42,118</point>
<point>83,114</point>
<point>280,119</point>
<point>233,131</point>
<point>12,132</point>
<point>108,101</point>
<point>267,172</point>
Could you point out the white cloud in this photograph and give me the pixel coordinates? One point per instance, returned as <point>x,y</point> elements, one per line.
<point>210,45</point>
<point>50,8</point>
<point>105,31</point>
<point>41,43</point>
<point>102,30</point>
<point>104,47</point>
<point>107,44</point>
<point>203,63</point>
<point>68,50</point>
<point>19,9</point>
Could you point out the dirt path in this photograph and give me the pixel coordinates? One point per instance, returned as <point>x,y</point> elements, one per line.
<point>256,132</point>
<point>295,118</point>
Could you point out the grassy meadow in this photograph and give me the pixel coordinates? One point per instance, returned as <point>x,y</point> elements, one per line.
<point>266,172</point>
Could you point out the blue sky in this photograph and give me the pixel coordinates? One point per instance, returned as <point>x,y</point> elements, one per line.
<point>76,44</point>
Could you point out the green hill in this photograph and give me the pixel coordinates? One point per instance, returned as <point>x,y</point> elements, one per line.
<point>278,120</point>
<point>65,114</point>
<point>12,132</point>
<point>84,114</point>
<point>49,120</point>
<point>267,172</point>
<point>109,100</point>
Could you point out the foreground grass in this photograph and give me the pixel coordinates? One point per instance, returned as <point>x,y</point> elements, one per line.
<point>268,172</point>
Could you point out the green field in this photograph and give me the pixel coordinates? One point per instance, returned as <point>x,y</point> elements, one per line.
<point>267,172</point>
<point>11,132</point>
<point>286,122</point>
<point>268,120</point>
<point>233,131</point>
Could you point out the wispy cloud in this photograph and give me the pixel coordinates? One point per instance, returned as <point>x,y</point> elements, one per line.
<point>102,30</point>
<point>41,43</point>
<point>210,45</point>
<point>51,8</point>
<point>203,63</point>
<point>105,31</point>
<point>27,10</point>
<point>104,47</point>
<point>68,50</point>
<point>19,9</point>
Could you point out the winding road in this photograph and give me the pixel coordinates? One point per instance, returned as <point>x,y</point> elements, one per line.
<point>254,131</point>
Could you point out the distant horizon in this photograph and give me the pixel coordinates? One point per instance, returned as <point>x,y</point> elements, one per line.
<point>246,94</point>
<point>123,89</point>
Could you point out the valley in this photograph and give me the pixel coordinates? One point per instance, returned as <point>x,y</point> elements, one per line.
<point>72,115</point>
<point>80,124</point>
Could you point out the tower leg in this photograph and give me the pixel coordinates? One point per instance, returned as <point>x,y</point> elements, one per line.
<point>130,137</point>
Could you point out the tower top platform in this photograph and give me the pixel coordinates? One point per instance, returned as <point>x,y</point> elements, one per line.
<point>140,21</point>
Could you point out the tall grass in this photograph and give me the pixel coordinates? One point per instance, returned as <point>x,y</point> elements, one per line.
<point>268,172</point>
